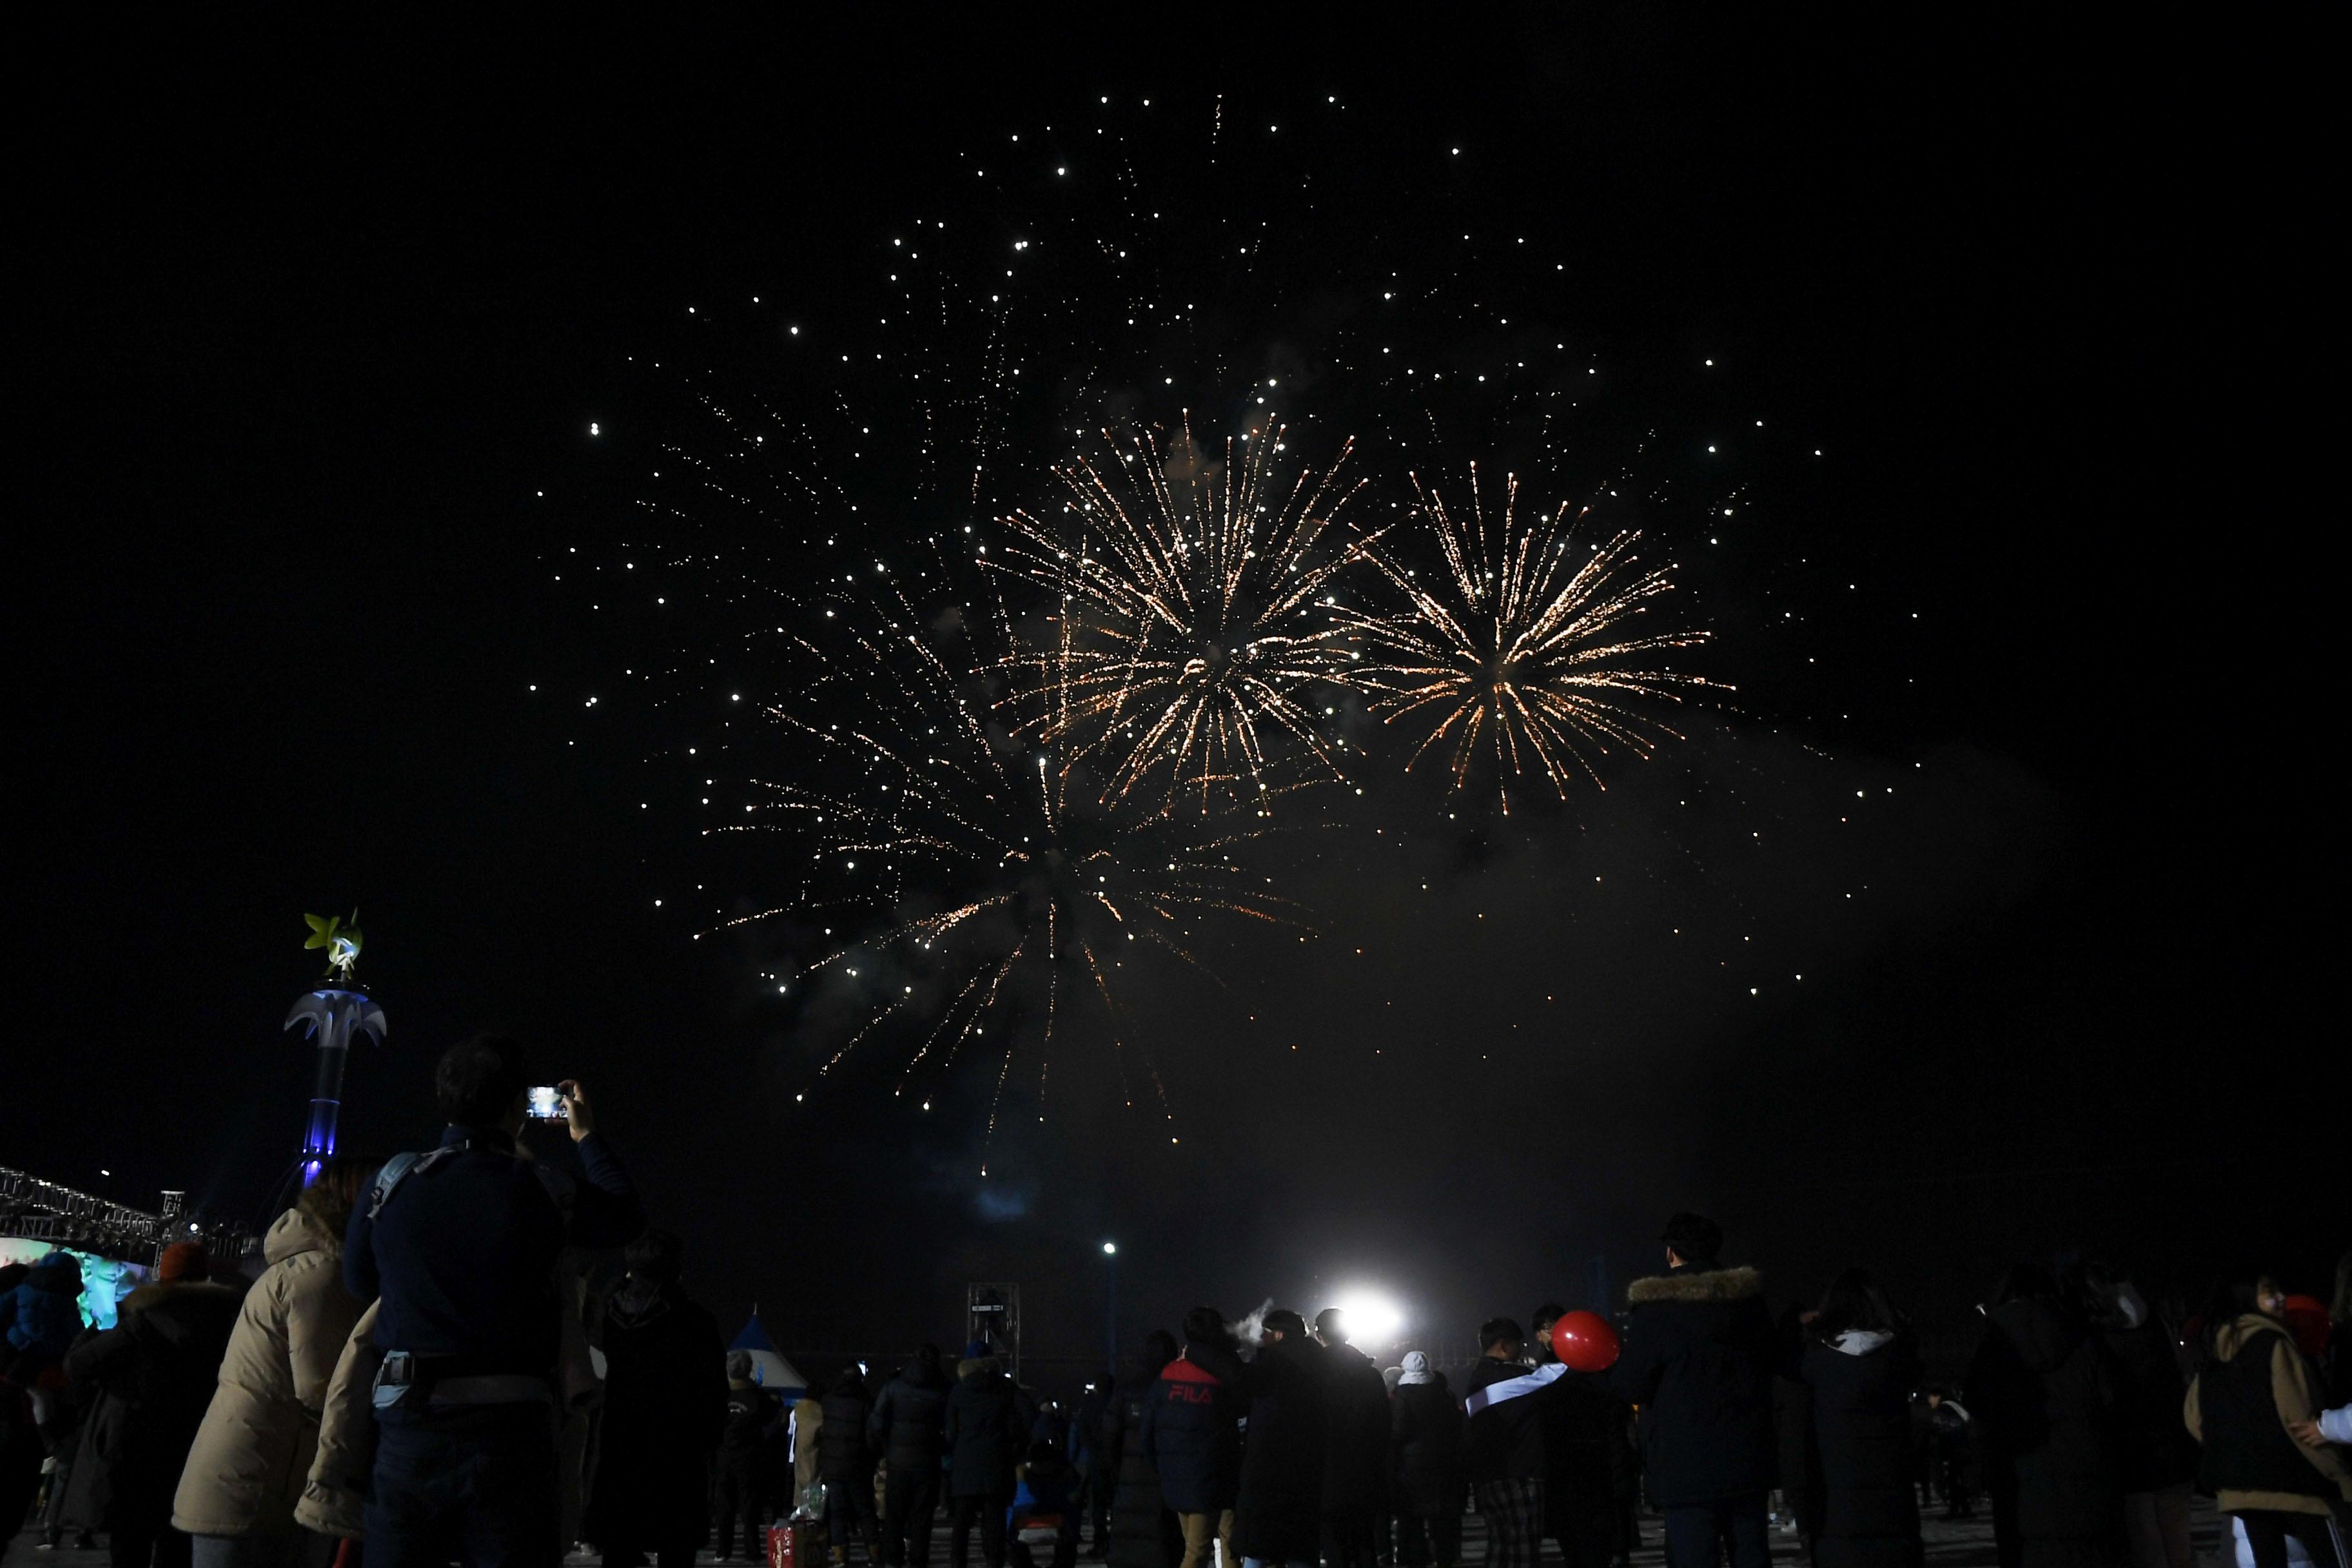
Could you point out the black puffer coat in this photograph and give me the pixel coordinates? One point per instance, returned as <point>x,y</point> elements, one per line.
<point>843,1452</point>
<point>665,1407</point>
<point>1425,1424</point>
<point>1278,1511</point>
<point>1192,1434</point>
<point>986,1426</point>
<point>1355,1467</point>
<point>2044,1392</point>
<point>1144,1532</point>
<point>1698,1360</point>
<point>908,1426</point>
<point>1869,1510</point>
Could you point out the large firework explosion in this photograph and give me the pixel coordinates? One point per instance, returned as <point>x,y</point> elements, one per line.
<point>982,871</point>
<point>1037,787</point>
<point>1523,653</point>
<point>1182,584</point>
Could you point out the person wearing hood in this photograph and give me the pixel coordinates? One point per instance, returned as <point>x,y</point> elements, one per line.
<point>155,1369</point>
<point>1860,1361</point>
<point>984,1428</point>
<point>1144,1532</point>
<point>2156,1455</point>
<point>740,1491</point>
<point>2045,1393</point>
<point>1698,1361</point>
<point>2248,1404</point>
<point>1191,1436</point>
<point>1356,1445</point>
<point>665,1406</point>
<point>1425,1426</point>
<point>1278,1502</point>
<point>846,1461</point>
<point>908,1428</point>
<point>253,1450</point>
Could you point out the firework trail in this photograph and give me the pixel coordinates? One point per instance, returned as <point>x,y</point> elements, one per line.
<point>1187,588</point>
<point>980,864</point>
<point>1521,648</point>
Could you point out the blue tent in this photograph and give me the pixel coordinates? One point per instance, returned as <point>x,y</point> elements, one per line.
<point>769,1370</point>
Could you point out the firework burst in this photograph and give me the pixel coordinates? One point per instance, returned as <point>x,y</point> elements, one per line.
<point>983,870</point>
<point>1520,650</point>
<point>1190,593</point>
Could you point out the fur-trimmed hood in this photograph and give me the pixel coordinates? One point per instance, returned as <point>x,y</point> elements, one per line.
<point>1697,1285</point>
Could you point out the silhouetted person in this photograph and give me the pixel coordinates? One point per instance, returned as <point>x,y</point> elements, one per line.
<point>1192,1438</point>
<point>2046,1396</point>
<point>1698,1361</point>
<point>1426,1427</point>
<point>742,1483</point>
<point>2253,1388</point>
<point>156,1368</point>
<point>462,1242</point>
<point>908,1428</point>
<point>665,1406</point>
<point>1278,1508</point>
<point>1355,1445</point>
<point>986,1425</point>
<point>1859,1360</point>
<point>846,1459</point>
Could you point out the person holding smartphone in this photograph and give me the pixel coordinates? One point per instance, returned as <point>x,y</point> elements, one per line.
<point>458,1246</point>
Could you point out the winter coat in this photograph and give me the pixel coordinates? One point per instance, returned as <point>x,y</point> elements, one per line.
<point>1356,1434</point>
<point>43,1311</point>
<point>1278,1506</point>
<point>843,1453</point>
<point>1698,1360</point>
<point>2155,1450</point>
<point>2044,1392</point>
<point>335,1498</point>
<point>1087,1424</point>
<point>2254,1383</point>
<point>1191,1435</point>
<point>1588,1460</point>
<point>253,1453</point>
<point>1869,1512</point>
<point>156,1369</point>
<point>751,1415</point>
<point>807,1429</point>
<point>1426,1428</point>
<point>1506,1402</point>
<point>1142,1528</point>
<point>665,1404</point>
<point>909,1424</point>
<point>983,1428</point>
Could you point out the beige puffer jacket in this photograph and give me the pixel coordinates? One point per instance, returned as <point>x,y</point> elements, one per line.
<point>253,1453</point>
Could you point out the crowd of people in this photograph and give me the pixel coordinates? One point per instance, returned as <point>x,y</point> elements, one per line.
<point>421,1374</point>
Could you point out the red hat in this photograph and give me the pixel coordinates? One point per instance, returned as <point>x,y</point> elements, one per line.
<point>183,1260</point>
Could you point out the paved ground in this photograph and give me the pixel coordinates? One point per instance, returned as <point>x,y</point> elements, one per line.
<point>1951,1544</point>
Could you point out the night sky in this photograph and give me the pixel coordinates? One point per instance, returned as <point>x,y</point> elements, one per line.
<point>2025,659</point>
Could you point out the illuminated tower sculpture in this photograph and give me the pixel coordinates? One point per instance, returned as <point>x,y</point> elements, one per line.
<point>332,1012</point>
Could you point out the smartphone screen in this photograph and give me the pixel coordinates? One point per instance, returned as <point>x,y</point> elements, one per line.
<point>546,1105</point>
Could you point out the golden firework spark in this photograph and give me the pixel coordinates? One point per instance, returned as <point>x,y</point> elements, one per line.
<point>1190,625</point>
<point>967,858</point>
<point>1520,648</point>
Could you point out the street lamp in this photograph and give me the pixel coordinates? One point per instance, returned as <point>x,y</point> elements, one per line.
<point>1110,1304</point>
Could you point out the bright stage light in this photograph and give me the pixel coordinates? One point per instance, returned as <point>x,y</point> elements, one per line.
<point>1109,1247</point>
<point>1373,1319</point>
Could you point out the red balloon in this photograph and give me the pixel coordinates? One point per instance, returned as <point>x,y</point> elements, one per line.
<point>1585,1341</point>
